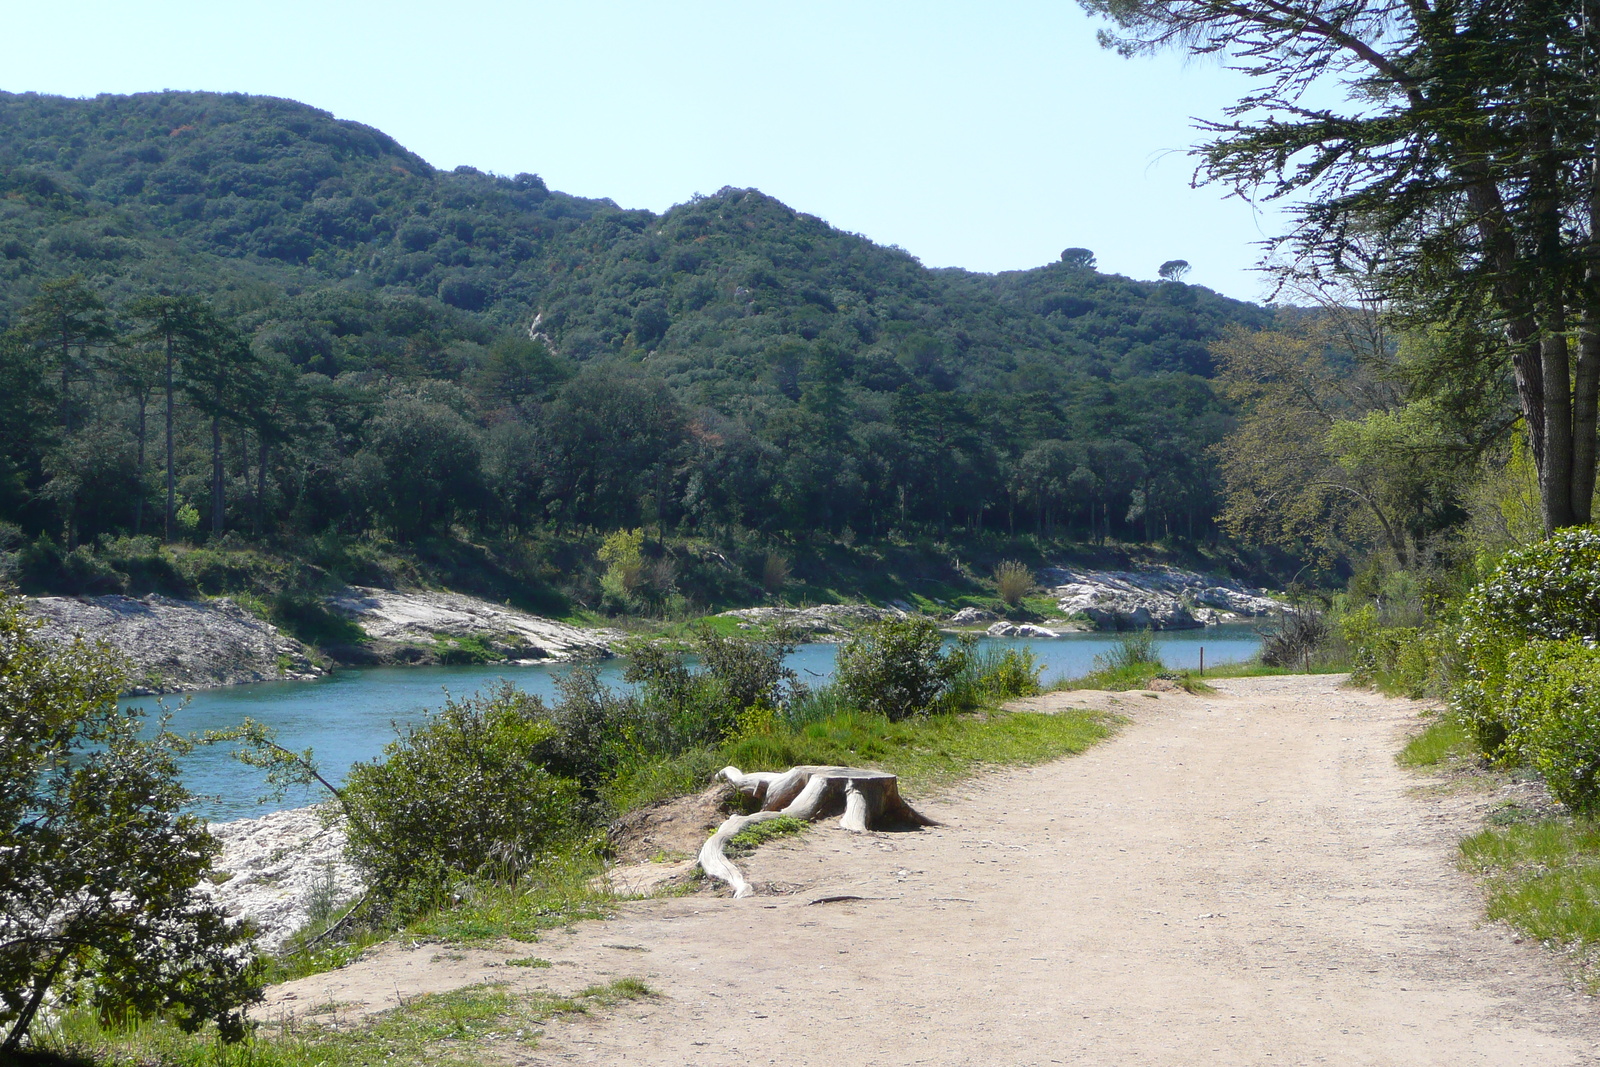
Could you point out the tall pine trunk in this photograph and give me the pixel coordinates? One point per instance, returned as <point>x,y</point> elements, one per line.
<point>171,477</point>
<point>216,476</point>
<point>138,500</point>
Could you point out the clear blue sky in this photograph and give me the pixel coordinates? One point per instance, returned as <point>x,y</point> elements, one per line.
<point>977,135</point>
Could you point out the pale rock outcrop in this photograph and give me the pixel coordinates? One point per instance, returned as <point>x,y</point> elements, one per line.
<point>972,617</point>
<point>1024,629</point>
<point>1156,598</point>
<point>826,622</point>
<point>178,645</point>
<point>280,868</point>
<point>419,617</point>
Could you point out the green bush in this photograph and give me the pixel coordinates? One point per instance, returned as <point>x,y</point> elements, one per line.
<point>1134,649</point>
<point>1396,659</point>
<point>899,668</point>
<point>1551,711</point>
<point>101,868</point>
<point>465,793</point>
<point>993,673</point>
<point>1548,591</point>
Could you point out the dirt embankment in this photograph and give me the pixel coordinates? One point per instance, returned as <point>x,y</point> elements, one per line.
<point>1238,878</point>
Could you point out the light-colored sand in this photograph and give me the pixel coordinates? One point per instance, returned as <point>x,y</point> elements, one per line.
<point>1244,878</point>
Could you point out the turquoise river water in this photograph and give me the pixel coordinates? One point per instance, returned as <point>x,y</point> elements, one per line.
<point>351,714</point>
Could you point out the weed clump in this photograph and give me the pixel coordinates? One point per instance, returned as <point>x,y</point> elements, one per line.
<point>1013,580</point>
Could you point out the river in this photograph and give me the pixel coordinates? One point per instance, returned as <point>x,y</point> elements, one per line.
<point>351,714</point>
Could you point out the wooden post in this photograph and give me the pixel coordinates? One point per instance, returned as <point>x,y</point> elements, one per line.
<point>1202,659</point>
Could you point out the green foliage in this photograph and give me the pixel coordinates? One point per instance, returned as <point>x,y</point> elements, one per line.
<point>1544,879</point>
<point>455,1029</point>
<point>465,793</point>
<point>899,668</point>
<point>1444,739</point>
<point>623,554</point>
<point>1551,710</point>
<point>1546,591</point>
<point>307,619</point>
<point>926,752</point>
<point>460,356</point>
<point>558,893</point>
<point>1397,659</point>
<point>1134,649</point>
<point>98,894</point>
<point>1013,581</point>
<point>753,837</point>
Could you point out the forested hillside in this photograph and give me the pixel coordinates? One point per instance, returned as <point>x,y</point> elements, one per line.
<point>362,345</point>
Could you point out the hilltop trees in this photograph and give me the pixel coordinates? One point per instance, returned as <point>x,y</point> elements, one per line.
<point>1461,175</point>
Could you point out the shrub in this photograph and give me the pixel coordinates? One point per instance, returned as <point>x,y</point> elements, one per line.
<point>995,674</point>
<point>1013,581</point>
<point>750,672</point>
<point>98,888</point>
<point>1546,591</point>
<point>1134,649</point>
<point>774,572</point>
<point>1397,659</point>
<point>1295,639</point>
<point>899,668</point>
<point>623,554</point>
<point>1551,707</point>
<point>465,793</point>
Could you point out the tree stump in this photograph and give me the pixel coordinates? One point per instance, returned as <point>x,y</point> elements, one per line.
<point>864,799</point>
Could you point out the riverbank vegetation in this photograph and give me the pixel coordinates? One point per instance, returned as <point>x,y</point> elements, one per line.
<point>248,348</point>
<point>488,820</point>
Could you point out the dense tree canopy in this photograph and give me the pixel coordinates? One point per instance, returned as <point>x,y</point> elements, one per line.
<point>1460,173</point>
<point>341,338</point>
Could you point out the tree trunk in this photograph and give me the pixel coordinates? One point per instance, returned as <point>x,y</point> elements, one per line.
<point>171,478</point>
<point>216,475</point>
<point>1585,415</point>
<point>138,500</point>
<point>1555,481</point>
<point>864,797</point>
<point>261,483</point>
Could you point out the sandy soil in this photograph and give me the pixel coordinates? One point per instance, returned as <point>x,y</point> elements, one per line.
<point>1245,878</point>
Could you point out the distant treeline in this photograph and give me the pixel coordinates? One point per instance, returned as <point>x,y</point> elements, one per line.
<point>357,341</point>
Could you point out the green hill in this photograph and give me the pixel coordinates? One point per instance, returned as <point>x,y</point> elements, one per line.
<point>471,352</point>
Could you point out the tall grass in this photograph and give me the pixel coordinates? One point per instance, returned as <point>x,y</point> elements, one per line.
<point>463,1027</point>
<point>1544,879</point>
<point>1013,580</point>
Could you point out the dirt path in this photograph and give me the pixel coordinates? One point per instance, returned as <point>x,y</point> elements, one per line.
<point>1236,879</point>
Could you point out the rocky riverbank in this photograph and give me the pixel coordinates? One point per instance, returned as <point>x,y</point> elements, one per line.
<point>1156,598</point>
<point>181,645</point>
<point>178,645</point>
<point>823,623</point>
<point>281,871</point>
<point>421,627</point>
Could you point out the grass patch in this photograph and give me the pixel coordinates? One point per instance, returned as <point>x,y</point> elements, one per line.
<point>1543,878</point>
<point>1136,676</point>
<point>489,910</point>
<point>926,753</point>
<point>297,960</point>
<point>753,837</point>
<point>440,1030</point>
<point>1444,741</point>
